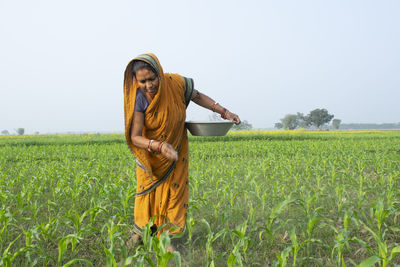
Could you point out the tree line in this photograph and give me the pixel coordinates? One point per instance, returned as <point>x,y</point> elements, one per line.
<point>19,131</point>
<point>370,126</point>
<point>317,118</point>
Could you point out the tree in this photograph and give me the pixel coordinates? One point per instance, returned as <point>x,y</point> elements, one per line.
<point>5,132</point>
<point>244,125</point>
<point>20,131</point>
<point>336,123</point>
<point>303,121</point>
<point>290,121</point>
<point>278,125</point>
<point>319,117</point>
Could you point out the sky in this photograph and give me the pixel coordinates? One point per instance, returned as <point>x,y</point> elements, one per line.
<point>62,62</point>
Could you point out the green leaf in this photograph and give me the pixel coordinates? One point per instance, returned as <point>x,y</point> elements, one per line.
<point>150,261</point>
<point>394,229</point>
<point>394,252</point>
<point>110,260</point>
<point>76,260</point>
<point>9,246</point>
<point>370,261</point>
<point>62,247</point>
<point>178,259</point>
<point>237,233</point>
<point>311,224</point>
<point>293,237</point>
<point>231,260</point>
<point>217,235</point>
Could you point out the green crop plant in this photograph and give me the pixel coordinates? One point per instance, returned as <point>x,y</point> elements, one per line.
<point>270,225</point>
<point>8,257</point>
<point>296,246</point>
<point>376,226</point>
<point>63,247</point>
<point>342,240</point>
<point>211,238</point>
<point>160,246</point>
<point>190,225</point>
<point>282,257</point>
<point>240,243</point>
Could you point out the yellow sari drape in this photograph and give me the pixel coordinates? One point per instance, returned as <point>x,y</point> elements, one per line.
<point>162,185</point>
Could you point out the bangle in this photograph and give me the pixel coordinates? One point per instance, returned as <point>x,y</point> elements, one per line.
<point>149,145</point>
<point>223,114</point>
<point>159,147</point>
<point>213,107</point>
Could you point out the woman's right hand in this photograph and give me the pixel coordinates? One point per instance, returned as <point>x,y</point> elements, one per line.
<point>169,152</point>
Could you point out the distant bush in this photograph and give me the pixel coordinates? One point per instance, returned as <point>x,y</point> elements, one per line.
<point>244,125</point>
<point>20,131</point>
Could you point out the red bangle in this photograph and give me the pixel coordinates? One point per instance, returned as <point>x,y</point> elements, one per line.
<point>223,114</point>
<point>159,147</point>
<point>149,145</point>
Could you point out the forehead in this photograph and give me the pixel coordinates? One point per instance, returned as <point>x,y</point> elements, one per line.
<point>144,74</point>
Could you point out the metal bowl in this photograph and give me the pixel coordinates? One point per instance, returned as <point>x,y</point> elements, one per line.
<point>208,128</point>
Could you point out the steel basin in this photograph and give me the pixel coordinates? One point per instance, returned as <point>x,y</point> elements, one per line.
<point>197,128</point>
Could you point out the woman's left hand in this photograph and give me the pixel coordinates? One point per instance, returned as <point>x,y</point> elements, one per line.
<point>169,152</point>
<point>232,117</point>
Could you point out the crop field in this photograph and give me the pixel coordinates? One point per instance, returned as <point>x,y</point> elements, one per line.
<point>256,199</point>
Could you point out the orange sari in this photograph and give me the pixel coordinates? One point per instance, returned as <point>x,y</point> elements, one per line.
<point>162,185</point>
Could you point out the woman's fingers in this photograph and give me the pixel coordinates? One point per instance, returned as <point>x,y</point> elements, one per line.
<point>169,152</point>
<point>236,119</point>
<point>173,155</point>
<point>233,117</point>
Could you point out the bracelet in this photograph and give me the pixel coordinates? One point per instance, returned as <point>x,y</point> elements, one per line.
<point>213,107</point>
<point>159,147</point>
<point>223,114</point>
<point>149,145</point>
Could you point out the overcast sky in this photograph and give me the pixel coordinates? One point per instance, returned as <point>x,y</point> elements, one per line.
<point>62,62</point>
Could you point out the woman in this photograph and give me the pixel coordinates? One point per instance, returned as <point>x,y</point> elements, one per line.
<point>155,111</point>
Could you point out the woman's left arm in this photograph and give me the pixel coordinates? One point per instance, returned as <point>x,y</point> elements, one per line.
<point>208,103</point>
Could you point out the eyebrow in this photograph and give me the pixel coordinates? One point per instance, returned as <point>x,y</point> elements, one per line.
<point>150,78</point>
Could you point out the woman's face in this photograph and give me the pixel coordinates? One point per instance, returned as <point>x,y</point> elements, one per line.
<point>147,81</point>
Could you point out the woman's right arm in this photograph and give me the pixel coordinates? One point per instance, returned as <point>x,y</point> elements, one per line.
<point>208,103</point>
<point>136,133</point>
<point>142,142</point>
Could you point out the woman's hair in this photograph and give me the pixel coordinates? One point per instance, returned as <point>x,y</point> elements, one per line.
<point>138,65</point>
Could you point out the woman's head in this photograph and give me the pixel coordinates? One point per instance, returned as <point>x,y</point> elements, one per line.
<point>146,77</point>
<point>138,65</point>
